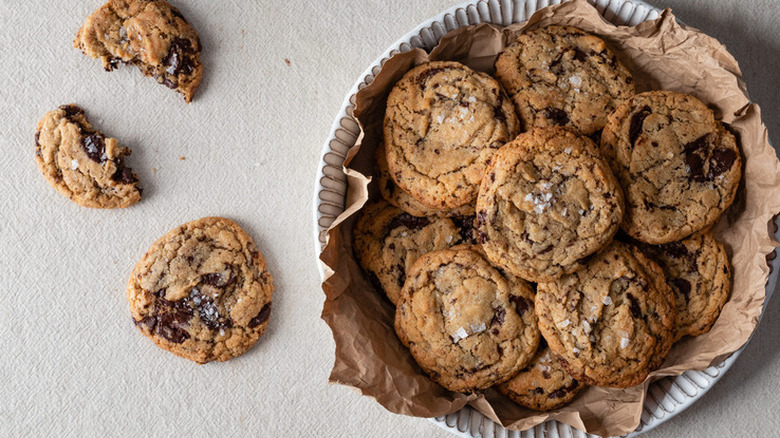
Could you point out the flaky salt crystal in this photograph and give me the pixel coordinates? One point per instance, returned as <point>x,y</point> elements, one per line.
<point>460,334</point>
<point>624,342</point>
<point>564,323</point>
<point>606,300</point>
<point>74,164</point>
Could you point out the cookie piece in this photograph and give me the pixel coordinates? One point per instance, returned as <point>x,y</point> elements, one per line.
<point>543,385</point>
<point>548,201</point>
<point>563,76</point>
<point>151,34</point>
<point>442,125</point>
<point>406,202</point>
<point>82,163</point>
<point>611,322</point>
<point>679,167</point>
<point>202,291</point>
<point>466,324</point>
<point>388,240</point>
<point>698,271</point>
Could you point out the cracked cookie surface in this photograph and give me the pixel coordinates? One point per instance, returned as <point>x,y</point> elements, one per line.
<point>83,164</point>
<point>547,202</point>
<point>543,385</point>
<point>389,240</point>
<point>679,167</point>
<point>612,322</point>
<point>699,273</point>
<point>150,34</point>
<point>563,76</point>
<point>466,324</point>
<point>442,125</point>
<point>406,202</point>
<point>202,291</point>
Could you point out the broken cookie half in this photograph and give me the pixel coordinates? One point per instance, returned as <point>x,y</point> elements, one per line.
<point>150,34</point>
<point>83,164</point>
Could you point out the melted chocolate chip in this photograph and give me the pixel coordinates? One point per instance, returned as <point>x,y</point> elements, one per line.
<point>557,116</point>
<point>636,310</point>
<point>261,317</point>
<point>721,161</point>
<point>123,174</point>
<point>424,76</point>
<point>498,317</point>
<point>465,225</point>
<point>95,148</point>
<point>218,279</point>
<point>675,249</point>
<point>408,221</point>
<point>71,110</point>
<point>683,286</point>
<point>521,304</point>
<point>557,394</point>
<point>179,59</point>
<point>636,123</point>
<point>579,55</point>
<point>695,157</point>
<point>175,12</point>
<point>170,328</point>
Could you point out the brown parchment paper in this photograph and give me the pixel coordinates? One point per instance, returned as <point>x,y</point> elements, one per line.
<point>661,54</point>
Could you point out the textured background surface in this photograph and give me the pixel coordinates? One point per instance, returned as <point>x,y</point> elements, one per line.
<point>73,364</point>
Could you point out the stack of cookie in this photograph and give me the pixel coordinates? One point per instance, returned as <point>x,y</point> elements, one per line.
<point>547,228</point>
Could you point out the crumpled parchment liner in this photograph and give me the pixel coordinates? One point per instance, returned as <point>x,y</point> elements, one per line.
<point>662,54</point>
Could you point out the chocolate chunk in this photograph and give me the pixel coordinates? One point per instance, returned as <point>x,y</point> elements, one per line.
<point>636,310</point>
<point>261,317</point>
<point>149,322</point>
<point>498,317</point>
<point>694,165</point>
<point>123,174</point>
<point>521,304</point>
<point>540,391</point>
<point>636,123</point>
<point>683,286</point>
<point>424,76</point>
<point>579,55</point>
<point>95,148</point>
<point>675,249</point>
<point>408,221</point>
<point>556,115</point>
<point>179,59</point>
<point>219,279</point>
<point>71,110</point>
<point>170,328</point>
<point>557,394</point>
<point>721,161</point>
<point>465,225</point>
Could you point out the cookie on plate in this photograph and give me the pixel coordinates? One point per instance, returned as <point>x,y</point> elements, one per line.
<point>699,273</point>
<point>466,324</point>
<point>543,385</point>
<point>406,202</point>
<point>613,321</point>
<point>388,240</point>
<point>151,34</point>
<point>442,125</point>
<point>202,291</point>
<point>563,76</point>
<point>548,201</point>
<point>679,167</point>
<point>82,163</point>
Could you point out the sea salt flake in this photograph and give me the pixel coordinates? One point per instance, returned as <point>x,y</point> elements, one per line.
<point>624,342</point>
<point>576,81</point>
<point>563,213</point>
<point>404,234</point>
<point>222,332</point>
<point>472,99</point>
<point>606,300</point>
<point>529,197</point>
<point>477,328</point>
<point>586,326</point>
<point>563,324</point>
<point>460,334</point>
<point>449,239</point>
<point>575,350</point>
<point>567,150</point>
<point>440,118</point>
<point>74,164</point>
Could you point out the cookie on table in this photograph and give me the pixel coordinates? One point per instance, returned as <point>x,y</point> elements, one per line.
<point>150,34</point>
<point>467,325</point>
<point>202,291</point>
<point>679,167</point>
<point>548,201</point>
<point>699,273</point>
<point>543,385</point>
<point>82,163</point>
<point>406,202</point>
<point>442,125</point>
<point>388,240</point>
<point>563,76</point>
<point>613,321</point>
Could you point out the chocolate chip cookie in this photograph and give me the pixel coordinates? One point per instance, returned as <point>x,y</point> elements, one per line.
<point>150,34</point>
<point>388,240</point>
<point>82,163</point>
<point>543,385</point>
<point>466,324</point>
<point>202,291</point>
<point>442,125</point>
<point>612,322</point>
<point>548,201</point>
<point>406,202</point>
<point>699,273</point>
<point>563,76</point>
<point>679,167</point>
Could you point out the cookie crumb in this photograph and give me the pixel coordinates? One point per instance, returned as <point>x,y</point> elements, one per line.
<point>287,61</point>
<point>182,158</point>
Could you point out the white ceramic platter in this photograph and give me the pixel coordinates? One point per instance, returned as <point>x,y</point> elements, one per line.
<point>666,397</point>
